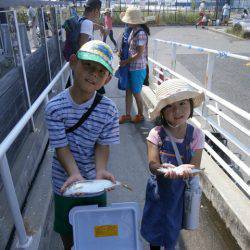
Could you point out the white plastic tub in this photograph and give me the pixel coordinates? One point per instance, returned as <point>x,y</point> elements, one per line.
<point>105,228</point>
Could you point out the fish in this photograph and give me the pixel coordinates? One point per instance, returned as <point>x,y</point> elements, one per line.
<point>91,187</point>
<point>179,170</point>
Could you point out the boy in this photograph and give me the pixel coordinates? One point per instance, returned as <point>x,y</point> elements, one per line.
<point>83,153</point>
<point>92,14</point>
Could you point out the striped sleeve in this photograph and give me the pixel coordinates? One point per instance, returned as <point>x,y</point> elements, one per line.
<point>55,125</point>
<point>110,132</point>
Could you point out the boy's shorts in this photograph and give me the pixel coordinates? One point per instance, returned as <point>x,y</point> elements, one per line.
<point>64,204</point>
<point>136,79</point>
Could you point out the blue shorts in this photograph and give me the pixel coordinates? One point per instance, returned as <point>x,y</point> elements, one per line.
<point>136,80</point>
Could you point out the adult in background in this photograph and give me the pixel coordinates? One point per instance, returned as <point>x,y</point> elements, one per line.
<point>91,18</point>
<point>225,13</point>
<point>244,14</point>
<point>202,8</point>
<point>32,22</point>
<point>108,24</point>
<point>137,61</point>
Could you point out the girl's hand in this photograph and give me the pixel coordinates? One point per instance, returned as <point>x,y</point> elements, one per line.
<point>186,170</point>
<point>171,174</point>
<point>167,165</point>
<point>104,174</point>
<point>123,63</point>
<point>73,178</point>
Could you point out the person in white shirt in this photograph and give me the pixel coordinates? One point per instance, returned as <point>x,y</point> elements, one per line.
<point>91,15</point>
<point>202,8</point>
<point>32,22</point>
<point>225,13</point>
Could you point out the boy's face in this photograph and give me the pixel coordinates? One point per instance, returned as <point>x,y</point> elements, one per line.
<point>96,13</point>
<point>89,76</point>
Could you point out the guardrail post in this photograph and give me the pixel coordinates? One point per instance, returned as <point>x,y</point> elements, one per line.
<point>55,30</point>
<point>173,57</point>
<point>23,65</point>
<point>209,71</point>
<point>43,38</point>
<point>155,50</point>
<point>9,17</point>
<point>209,77</point>
<point>24,240</point>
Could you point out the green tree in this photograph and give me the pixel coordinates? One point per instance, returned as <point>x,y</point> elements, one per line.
<point>193,4</point>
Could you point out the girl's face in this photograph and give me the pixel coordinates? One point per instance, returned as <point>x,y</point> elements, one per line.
<point>177,113</point>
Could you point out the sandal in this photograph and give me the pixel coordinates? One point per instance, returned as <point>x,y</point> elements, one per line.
<point>137,119</point>
<point>124,118</point>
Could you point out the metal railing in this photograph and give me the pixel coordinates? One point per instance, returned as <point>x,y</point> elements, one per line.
<point>24,240</point>
<point>210,109</point>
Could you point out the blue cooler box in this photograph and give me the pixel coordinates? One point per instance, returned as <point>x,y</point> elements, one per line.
<point>106,228</point>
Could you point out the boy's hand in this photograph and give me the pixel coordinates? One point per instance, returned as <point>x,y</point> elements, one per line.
<point>73,178</point>
<point>104,174</point>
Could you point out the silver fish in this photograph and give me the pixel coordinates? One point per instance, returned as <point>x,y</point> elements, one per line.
<point>91,187</point>
<point>179,170</point>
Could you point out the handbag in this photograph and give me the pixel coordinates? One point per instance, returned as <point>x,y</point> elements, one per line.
<point>192,196</point>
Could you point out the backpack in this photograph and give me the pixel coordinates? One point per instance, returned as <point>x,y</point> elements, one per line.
<point>72,27</point>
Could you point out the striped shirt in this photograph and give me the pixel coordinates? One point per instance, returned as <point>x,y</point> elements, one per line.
<point>101,127</point>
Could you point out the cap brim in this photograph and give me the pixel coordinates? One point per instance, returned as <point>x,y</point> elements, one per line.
<point>82,55</point>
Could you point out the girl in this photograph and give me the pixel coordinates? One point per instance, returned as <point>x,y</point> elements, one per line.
<point>163,211</point>
<point>108,24</point>
<point>137,62</point>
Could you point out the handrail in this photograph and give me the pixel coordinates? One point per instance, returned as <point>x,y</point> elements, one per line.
<point>219,53</point>
<point>10,138</point>
<point>24,241</point>
<point>225,103</point>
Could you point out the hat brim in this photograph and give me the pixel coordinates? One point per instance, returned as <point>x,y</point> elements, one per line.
<point>196,96</point>
<point>82,55</point>
<point>125,19</point>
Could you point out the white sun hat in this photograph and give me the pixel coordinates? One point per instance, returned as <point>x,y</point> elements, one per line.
<point>133,15</point>
<point>175,90</point>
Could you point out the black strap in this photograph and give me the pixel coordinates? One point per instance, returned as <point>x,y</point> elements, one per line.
<point>85,116</point>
